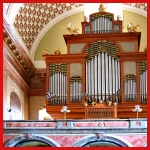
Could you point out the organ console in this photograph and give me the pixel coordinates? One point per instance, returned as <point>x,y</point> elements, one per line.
<point>102,65</point>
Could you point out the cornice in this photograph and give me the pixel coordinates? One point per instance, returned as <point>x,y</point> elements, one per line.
<point>16,49</point>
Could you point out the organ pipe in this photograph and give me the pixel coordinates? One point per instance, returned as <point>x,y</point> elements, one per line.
<point>143,81</point>
<point>130,87</point>
<point>76,88</point>
<point>103,70</point>
<point>101,24</point>
<point>58,84</point>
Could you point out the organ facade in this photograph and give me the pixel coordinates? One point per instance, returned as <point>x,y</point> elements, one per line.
<point>103,69</point>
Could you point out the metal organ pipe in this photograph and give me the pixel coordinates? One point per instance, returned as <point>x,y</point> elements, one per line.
<point>102,72</point>
<point>101,24</point>
<point>101,85</point>
<point>141,89</point>
<point>66,89</point>
<point>130,88</point>
<point>58,83</point>
<point>103,76</point>
<point>76,88</point>
<point>98,24</point>
<point>146,84</point>
<point>143,81</point>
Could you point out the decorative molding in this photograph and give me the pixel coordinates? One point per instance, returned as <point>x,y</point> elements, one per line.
<point>29,125</point>
<point>138,56</point>
<point>78,124</point>
<point>19,55</point>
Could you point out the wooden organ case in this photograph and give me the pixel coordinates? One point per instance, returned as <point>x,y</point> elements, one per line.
<point>103,74</point>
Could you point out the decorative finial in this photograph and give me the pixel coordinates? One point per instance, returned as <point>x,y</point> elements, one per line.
<point>137,109</point>
<point>85,19</point>
<point>101,101</point>
<point>65,110</point>
<point>115,103</point>
<point>102,8</point>
<point>118,17</point>
<point>109,103</point>
<point>47,51</point>
<point>57,51</point>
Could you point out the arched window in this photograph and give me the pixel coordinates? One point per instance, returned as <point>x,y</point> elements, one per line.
<point>101,143</point>
<point>32,143</point>
<point>105,141</point>
<point>15,106</point>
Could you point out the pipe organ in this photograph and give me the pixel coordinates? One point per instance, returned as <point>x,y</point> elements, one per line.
<point>102,72</point>
<point>101,22</point>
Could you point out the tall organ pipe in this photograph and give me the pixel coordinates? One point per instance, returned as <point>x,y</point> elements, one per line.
<point>58,83</point>
<point>103,71</point>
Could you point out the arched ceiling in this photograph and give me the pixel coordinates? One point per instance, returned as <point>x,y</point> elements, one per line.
<point>33,17</point>
<point>31,21</point>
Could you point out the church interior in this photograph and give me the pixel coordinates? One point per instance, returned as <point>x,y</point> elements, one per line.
<point>75,74</point>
